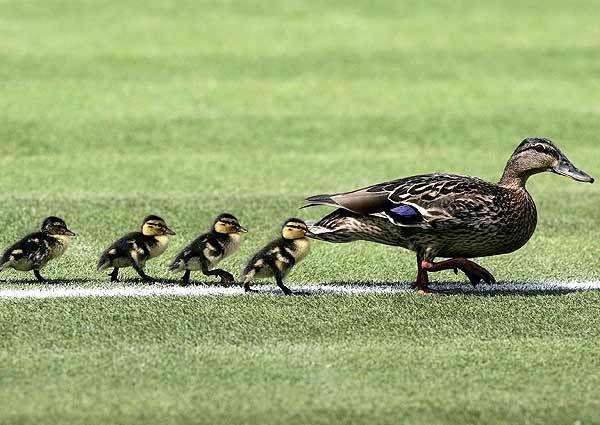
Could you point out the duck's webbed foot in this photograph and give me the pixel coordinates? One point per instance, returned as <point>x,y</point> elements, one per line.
<point>474,271</point>
<point>422,283</point>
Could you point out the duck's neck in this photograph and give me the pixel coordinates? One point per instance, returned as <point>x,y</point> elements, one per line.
<point>512,180</point>
<point>516,173</point>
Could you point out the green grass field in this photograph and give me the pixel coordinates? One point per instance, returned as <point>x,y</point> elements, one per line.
<point>111,111</point>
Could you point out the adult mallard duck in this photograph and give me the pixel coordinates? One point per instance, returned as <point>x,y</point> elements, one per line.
<point>446,215</point>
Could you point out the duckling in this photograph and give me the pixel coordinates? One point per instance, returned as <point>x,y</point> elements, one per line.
<point>278,257</point>
<point>208,249</point>
<point>134,249</point>
<point>34,251</point>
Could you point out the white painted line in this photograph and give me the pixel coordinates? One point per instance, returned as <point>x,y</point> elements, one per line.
<point>349,289</point>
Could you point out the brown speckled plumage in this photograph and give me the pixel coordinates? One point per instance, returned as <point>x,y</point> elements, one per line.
<point>445,215</point>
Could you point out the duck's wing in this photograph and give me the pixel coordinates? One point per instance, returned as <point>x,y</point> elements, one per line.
<point>33,247</point>
<point>415,201</point>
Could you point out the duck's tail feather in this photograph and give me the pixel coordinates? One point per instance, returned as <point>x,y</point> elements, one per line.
<point>319,200</point>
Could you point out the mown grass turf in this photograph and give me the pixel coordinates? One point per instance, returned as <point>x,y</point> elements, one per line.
<point>383,359</point>
<point>111,112</point>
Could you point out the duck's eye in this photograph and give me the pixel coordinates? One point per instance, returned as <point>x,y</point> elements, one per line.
<point>405,214</point>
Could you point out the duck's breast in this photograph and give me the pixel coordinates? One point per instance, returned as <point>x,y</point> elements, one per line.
<point>503,228</point>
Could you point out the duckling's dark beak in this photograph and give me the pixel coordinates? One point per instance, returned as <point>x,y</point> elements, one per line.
<point>242,229</point>
<point>70,233</point>
<point>566,168</point>
<point>169,232</point>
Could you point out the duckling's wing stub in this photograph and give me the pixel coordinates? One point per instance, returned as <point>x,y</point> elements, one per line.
<point>132,243</point>
<point>191,251</point>
<point>256,264</point>
<point>206,248</point>
<point>34,248</point>
<point>182,257</point>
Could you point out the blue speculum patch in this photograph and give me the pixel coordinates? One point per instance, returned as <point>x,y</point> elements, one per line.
<point>405,214</point>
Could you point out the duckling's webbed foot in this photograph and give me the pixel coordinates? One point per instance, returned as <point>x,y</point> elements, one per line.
<point>474,271</point>
<point>279,279</point>
<point>146,278</point>
<point>39,277</point>
<point>226,277</point>
<point>185,280</point>
<point>285,289</point>
<point>114,275</point>
<point>247,287</point>
<point>142,274</point>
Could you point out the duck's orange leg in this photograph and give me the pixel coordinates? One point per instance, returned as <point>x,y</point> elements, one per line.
<point>474,271</point>
<point>422,282</point>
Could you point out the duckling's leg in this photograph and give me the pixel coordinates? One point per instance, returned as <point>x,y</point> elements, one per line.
<point>474,271</point>
<point>141,272</point>
<point>114,275</point>
<point>247,279</point>
<point>38,276</point>
<point>279,278</point>
<point>185,280</point>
